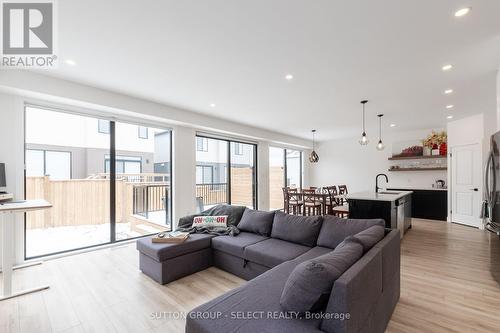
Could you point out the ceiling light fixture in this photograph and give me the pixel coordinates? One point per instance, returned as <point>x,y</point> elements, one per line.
<point>393,125</point>
<point>447,67</point>
<point>70,62</point>
<point>289,77</point>
<point>313,157</point>
<point>364,140</point>
<point>462,12</point>
<point>450,117</point>
<point>449,106</point>
<point>380,145</point>
<point>212,105</point>
<point>448,91</point>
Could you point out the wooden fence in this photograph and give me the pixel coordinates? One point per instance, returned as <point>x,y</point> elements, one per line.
<point>78,202</point>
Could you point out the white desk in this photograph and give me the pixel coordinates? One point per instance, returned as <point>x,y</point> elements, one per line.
<point>8,242</point>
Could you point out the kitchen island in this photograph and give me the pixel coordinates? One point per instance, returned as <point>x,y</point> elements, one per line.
<point>394,207</point>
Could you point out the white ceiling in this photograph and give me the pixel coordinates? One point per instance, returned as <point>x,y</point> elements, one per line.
<point>191,53</point>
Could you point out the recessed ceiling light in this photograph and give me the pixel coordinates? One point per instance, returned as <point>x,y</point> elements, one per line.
<point>393,125</point>
<point>448,91</point>
<point>449,106</point>
<point>70,62</point>
<point>447,67</point>
<point>289,77</point>
<point>212,105</point>
<point>462,12</point>
<point>450,117</point>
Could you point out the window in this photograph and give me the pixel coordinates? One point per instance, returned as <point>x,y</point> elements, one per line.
<point>125,164</point>
<point>238,148</point>
<point>94,202</point>
<point>285,169</point>
<point>143,132</point>
<point>201,144</point>
<point>54,164</point>
<point>103,126</point>
<point>225,175</point>
<point>204,174</point>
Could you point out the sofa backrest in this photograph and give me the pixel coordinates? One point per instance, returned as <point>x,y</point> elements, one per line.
<point>302,230</point>
<point>368,291</point>
<point>335,229</point>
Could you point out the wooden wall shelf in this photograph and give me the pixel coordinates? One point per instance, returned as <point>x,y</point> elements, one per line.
<point>419,169</point>
<point>395,158</point>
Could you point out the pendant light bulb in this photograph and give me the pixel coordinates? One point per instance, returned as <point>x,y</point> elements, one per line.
<point>380,145</point>
<point>364,139</point>
<point>313,157</point>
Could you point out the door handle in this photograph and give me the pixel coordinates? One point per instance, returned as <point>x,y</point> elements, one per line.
<point>474,189</point>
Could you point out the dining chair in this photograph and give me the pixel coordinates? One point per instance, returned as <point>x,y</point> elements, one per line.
<point>342,209</point>
<point>286,206</point>
<point>295,201</point>
<point>312,203</point>
<point>331,201</point>
<point>342,191</point>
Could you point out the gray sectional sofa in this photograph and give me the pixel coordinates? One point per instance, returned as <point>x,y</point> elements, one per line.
<point>269,249</point>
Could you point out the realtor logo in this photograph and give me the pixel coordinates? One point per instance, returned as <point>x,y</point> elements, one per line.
<point>28,34</point>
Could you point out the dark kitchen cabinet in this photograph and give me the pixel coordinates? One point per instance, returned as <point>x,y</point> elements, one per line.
<point>429,204</point>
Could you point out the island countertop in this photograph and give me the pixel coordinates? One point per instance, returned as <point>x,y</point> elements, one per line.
<point>381,196</point>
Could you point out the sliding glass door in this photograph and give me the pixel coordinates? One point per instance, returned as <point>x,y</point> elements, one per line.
<point>107,181</point>
<point>143,180</point>
<point>225,173</point>
<point>64,159</point>
<point>276,177</point>
<point>243,174</point>
<point>285,169</point>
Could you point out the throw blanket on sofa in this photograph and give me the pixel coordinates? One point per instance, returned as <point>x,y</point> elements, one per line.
<point>234,214</point>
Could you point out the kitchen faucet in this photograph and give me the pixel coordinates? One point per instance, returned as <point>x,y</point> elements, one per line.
<point>376,181</point>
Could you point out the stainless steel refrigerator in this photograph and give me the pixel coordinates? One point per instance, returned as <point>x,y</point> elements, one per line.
<point>491,206</point>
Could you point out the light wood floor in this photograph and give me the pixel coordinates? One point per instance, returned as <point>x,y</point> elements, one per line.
<point>446,287</point>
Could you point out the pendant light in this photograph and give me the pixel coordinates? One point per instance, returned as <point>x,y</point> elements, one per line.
<point>364,140</point>
<point>380,145</point>
<point>313,157</point>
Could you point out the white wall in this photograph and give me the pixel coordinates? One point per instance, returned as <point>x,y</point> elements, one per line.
<point>347,162</point>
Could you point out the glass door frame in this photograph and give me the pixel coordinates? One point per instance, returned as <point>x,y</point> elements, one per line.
<point>112,169</point>
<point>228,161</point>
<point>285,165</point>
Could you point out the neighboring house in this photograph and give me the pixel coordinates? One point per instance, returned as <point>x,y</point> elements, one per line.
<point>86,150</point>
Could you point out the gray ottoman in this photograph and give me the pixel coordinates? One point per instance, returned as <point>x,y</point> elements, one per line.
<point>168,262</point>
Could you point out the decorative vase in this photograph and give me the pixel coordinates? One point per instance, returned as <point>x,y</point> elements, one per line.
<point>427,151</point>
<point>443,149</point>
<point>435,150</point>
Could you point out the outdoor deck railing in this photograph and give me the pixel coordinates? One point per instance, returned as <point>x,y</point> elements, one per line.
<point>150,198</point>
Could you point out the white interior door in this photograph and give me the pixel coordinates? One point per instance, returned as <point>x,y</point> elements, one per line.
<point>466,185</point>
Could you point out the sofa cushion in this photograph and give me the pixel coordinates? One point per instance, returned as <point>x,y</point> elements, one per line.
<point>369,237</point>
<point>273,252</point>
<point>312,253</point>
<point>260,296</point>
<point>297,229</point>
<point>257,221</point>
<point>309,285</point>
<point>335,229</point>
<point>236,244</point>
<point>163,251</point>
